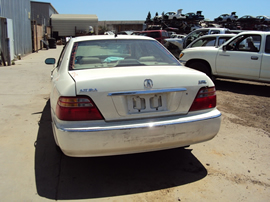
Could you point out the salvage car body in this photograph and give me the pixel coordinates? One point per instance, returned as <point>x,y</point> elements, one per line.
<point>214,40</point>
<point>177,16</point>
<point>184,42</point>
<point>118,95</point>
<point>226,17</point>
<point>246,19</point>
<point>192,16</point>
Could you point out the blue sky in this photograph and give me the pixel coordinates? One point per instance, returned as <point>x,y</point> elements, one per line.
<point>138,9</point>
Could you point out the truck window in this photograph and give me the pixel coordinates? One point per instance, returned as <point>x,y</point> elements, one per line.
<point>250,43</point>
<point>267,44</point>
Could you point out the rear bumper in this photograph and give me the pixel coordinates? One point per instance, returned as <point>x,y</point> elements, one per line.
<point>125,137</point>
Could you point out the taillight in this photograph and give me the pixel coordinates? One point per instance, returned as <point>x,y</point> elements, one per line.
<point>205,99</point>
<point>77,109</point>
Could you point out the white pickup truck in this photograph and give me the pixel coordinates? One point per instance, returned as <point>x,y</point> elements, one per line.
<point>245,56</point>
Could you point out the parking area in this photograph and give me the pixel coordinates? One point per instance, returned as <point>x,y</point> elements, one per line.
<point>234,166</point>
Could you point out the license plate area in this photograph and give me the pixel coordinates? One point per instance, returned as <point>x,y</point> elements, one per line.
<point>145,103</point>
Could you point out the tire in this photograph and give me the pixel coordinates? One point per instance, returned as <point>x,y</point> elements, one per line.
<point>58,150</point>
<point>201,67</point>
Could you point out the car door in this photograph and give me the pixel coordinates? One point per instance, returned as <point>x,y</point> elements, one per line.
<point>241,58</point>
<point>55,74</point>
<point>265,68</point>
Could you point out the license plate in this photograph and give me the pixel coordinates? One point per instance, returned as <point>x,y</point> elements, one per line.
<point>146,103</point>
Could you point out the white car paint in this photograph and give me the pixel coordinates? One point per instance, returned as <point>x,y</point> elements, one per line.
<point>135,117</point>
<point>177,15</point>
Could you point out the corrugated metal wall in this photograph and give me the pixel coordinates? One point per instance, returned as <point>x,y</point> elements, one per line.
<point>20,12</point>
<point>40,13</point>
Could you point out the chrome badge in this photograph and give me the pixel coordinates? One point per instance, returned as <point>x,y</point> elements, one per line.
<point>88,90</point>
<point>202,82</point>
<point>148,83</point>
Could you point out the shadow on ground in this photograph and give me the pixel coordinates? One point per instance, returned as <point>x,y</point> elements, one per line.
<point>60,177</point>
<point>243,87</point>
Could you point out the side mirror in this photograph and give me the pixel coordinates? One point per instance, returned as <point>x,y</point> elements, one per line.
<point>224,48</point>
<point>50,61</point>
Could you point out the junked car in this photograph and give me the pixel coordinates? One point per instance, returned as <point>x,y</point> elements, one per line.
<point>182,43</point>
<point>192,16</point>
<point>246,19</point>
<point>176,16</point>
<point>214,40</point>
<point>127,94</point>
<point>226,17</point>
<point>263,19</point>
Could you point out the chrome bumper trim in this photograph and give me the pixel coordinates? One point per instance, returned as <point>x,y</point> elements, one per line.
<point>147,92</point>
<point>137,126</point>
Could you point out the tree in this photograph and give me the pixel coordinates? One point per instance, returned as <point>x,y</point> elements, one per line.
<point>148,16</point>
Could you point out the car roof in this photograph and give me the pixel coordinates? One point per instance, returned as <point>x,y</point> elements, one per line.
<point>217,35</point>
<point>212,28</point>
<point>110,37</point>
<point>154,30</point>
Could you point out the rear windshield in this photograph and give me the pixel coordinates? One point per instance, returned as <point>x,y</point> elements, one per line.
<point>119,53</point>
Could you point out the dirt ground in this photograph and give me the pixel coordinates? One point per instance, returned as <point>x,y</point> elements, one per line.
<point>249,101</point>
<point>233,166</point>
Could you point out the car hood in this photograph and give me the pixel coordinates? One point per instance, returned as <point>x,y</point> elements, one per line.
<point>114,89</point>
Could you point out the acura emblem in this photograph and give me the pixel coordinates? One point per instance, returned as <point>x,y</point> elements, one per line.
<point>148,83</point>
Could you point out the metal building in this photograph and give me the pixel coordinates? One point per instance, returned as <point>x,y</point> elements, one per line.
<point>41,12</point>
<point>15,26</point>
<point>65,25</point>
<point>40,22</point>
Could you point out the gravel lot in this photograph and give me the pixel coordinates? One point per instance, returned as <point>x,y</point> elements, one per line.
<point>249,101</point>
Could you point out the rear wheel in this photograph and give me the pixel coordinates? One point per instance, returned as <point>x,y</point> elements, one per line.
<point>201,67</point>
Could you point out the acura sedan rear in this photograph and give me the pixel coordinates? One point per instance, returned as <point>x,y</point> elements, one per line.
<point>124,94</point>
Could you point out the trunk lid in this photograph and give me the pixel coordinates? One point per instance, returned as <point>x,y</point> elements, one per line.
<point>140,92</point>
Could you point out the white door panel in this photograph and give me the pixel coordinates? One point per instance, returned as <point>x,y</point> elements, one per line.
<point>265,68</point>
<point>238,63</point>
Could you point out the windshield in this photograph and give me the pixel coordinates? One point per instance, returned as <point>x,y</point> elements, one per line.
<point>119,53</point>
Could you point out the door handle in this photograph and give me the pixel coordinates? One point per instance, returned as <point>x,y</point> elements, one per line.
<point>254,58</point>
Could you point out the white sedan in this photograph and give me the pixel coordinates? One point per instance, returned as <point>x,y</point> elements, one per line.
<point>128,94</point>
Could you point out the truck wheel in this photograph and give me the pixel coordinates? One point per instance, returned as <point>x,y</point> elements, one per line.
<point>201,67</point>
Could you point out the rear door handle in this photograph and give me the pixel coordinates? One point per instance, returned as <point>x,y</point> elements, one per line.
<point>254,58</point>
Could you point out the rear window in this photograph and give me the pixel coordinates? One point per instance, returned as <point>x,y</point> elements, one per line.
<point>119,53</point>
<point>204,42</point>
<point>165,34</point>
<point>154,34</point>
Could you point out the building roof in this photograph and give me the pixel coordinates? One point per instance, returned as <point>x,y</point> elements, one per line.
<point>70,24</point>
<point>74,17</point>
